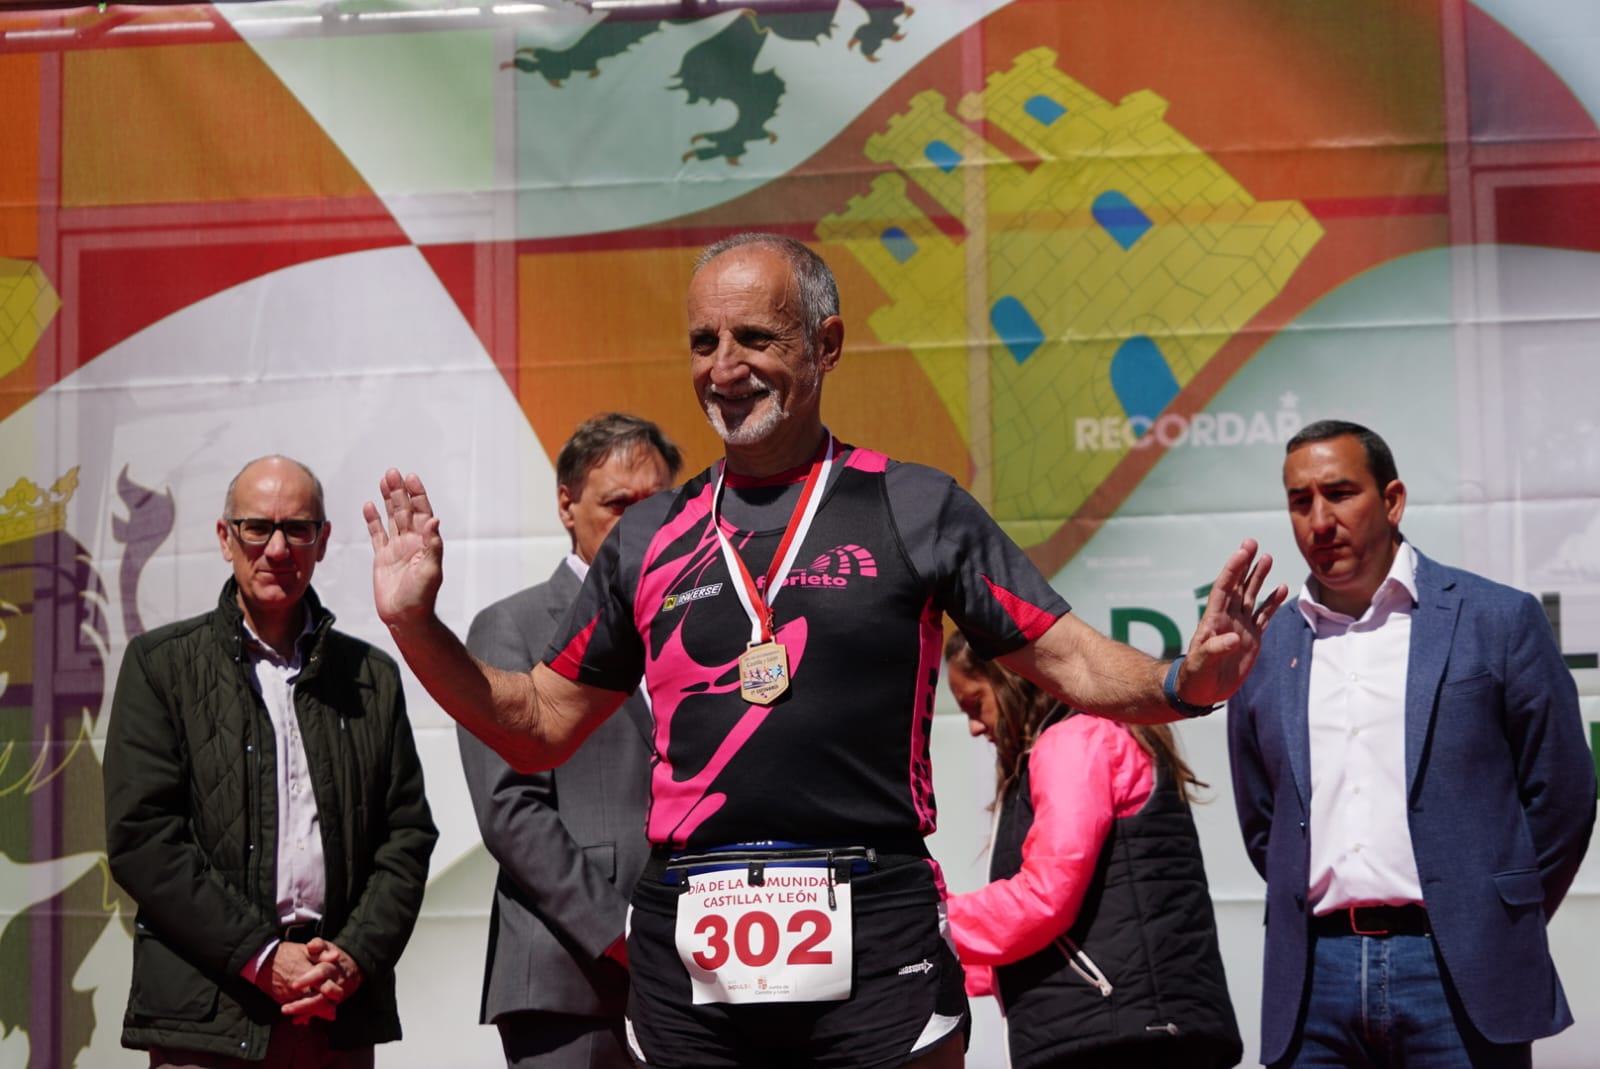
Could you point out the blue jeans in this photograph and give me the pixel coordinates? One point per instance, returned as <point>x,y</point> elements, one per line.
<point>1382,1003</point>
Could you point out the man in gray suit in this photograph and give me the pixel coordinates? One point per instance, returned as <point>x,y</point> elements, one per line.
<point>570,842</point>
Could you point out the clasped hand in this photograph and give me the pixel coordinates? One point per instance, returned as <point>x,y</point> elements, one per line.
<point>309,980</point>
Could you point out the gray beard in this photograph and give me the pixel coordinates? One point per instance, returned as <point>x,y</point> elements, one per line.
<point>752,430</point>
<point>757,427</point>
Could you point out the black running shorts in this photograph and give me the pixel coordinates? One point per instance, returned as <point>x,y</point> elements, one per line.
<point>907,991</point>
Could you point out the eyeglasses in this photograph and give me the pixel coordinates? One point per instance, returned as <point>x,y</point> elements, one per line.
<point>258,532</point>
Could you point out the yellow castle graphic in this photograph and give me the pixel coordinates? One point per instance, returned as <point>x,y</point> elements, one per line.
<point>1072,294</point>
<point>27,305</point>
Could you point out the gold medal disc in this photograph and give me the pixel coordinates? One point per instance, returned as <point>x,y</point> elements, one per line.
<point>763,672</point>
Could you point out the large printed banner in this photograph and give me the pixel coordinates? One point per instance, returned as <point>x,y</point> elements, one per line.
<point>1099,259</point>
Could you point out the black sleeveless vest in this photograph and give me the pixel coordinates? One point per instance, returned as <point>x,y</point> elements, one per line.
<point>1146,928</point>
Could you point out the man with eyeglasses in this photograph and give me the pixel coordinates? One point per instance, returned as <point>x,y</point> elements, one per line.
<point>265,809</point>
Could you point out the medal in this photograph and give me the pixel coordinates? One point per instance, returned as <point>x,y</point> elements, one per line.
<point>764,665</point>
<point>763,672</point>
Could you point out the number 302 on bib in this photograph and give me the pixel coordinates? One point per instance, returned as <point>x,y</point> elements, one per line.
<point>775,942</point>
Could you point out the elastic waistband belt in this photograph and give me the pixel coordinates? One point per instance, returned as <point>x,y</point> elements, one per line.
<point>669,866</point>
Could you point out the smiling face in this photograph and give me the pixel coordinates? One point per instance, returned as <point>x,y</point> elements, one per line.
<point>755,372</point>
<point>1346,525</point>
<point>975,695</point>
<point>272,577</point>
<point>593,507</point>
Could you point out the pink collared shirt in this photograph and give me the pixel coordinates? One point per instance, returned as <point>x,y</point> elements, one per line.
<point>1360,840</point>
<point>302,881</point>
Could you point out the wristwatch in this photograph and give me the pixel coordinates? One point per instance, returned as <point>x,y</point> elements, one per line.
<point>1169,687</point>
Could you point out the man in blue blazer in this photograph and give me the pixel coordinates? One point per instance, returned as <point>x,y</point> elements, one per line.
<point>1412,780</point>
<point>570,842</point>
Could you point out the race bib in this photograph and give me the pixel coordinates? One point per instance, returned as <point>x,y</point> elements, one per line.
<point>778,940</point>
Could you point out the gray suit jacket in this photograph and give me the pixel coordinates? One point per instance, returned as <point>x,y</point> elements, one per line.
<point>570,842</point>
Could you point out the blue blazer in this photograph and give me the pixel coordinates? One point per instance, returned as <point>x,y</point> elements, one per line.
<point>1500,799</point>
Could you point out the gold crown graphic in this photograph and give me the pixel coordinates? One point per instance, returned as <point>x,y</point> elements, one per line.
<point>27,511</point>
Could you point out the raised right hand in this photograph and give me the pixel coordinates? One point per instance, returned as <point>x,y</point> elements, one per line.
<point>407,565</point>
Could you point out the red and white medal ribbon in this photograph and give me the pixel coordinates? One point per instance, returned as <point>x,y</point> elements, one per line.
<point>757,607</point>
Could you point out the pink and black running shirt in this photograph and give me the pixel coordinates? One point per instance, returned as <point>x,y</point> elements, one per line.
<point>842,757</point>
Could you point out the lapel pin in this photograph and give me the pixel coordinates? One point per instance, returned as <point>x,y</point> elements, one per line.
<point>1294,662</point>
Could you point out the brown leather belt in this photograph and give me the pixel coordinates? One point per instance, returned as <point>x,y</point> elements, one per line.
<point>1374,920</point>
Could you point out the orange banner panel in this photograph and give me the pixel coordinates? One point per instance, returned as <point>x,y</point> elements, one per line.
<point>582,350</point>
<point>1348,119</point>
<point>19,163</point>
<point>145,125</point>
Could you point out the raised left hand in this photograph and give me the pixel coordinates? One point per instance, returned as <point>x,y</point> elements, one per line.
<point>1228,638</point>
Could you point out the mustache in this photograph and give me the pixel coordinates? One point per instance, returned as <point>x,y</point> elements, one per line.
<point>754,381</point>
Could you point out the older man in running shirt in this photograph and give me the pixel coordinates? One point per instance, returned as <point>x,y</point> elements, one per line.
<point>785,610</point>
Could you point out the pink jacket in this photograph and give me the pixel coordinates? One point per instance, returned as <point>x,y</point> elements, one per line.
<point>1084,772</point>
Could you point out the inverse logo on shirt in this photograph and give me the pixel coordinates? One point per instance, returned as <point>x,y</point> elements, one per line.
<point>672,601</point>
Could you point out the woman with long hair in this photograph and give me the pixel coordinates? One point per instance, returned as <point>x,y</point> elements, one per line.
<point>1096,932</point>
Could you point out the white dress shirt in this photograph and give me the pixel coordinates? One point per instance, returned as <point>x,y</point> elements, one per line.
<point>1360,840</point>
